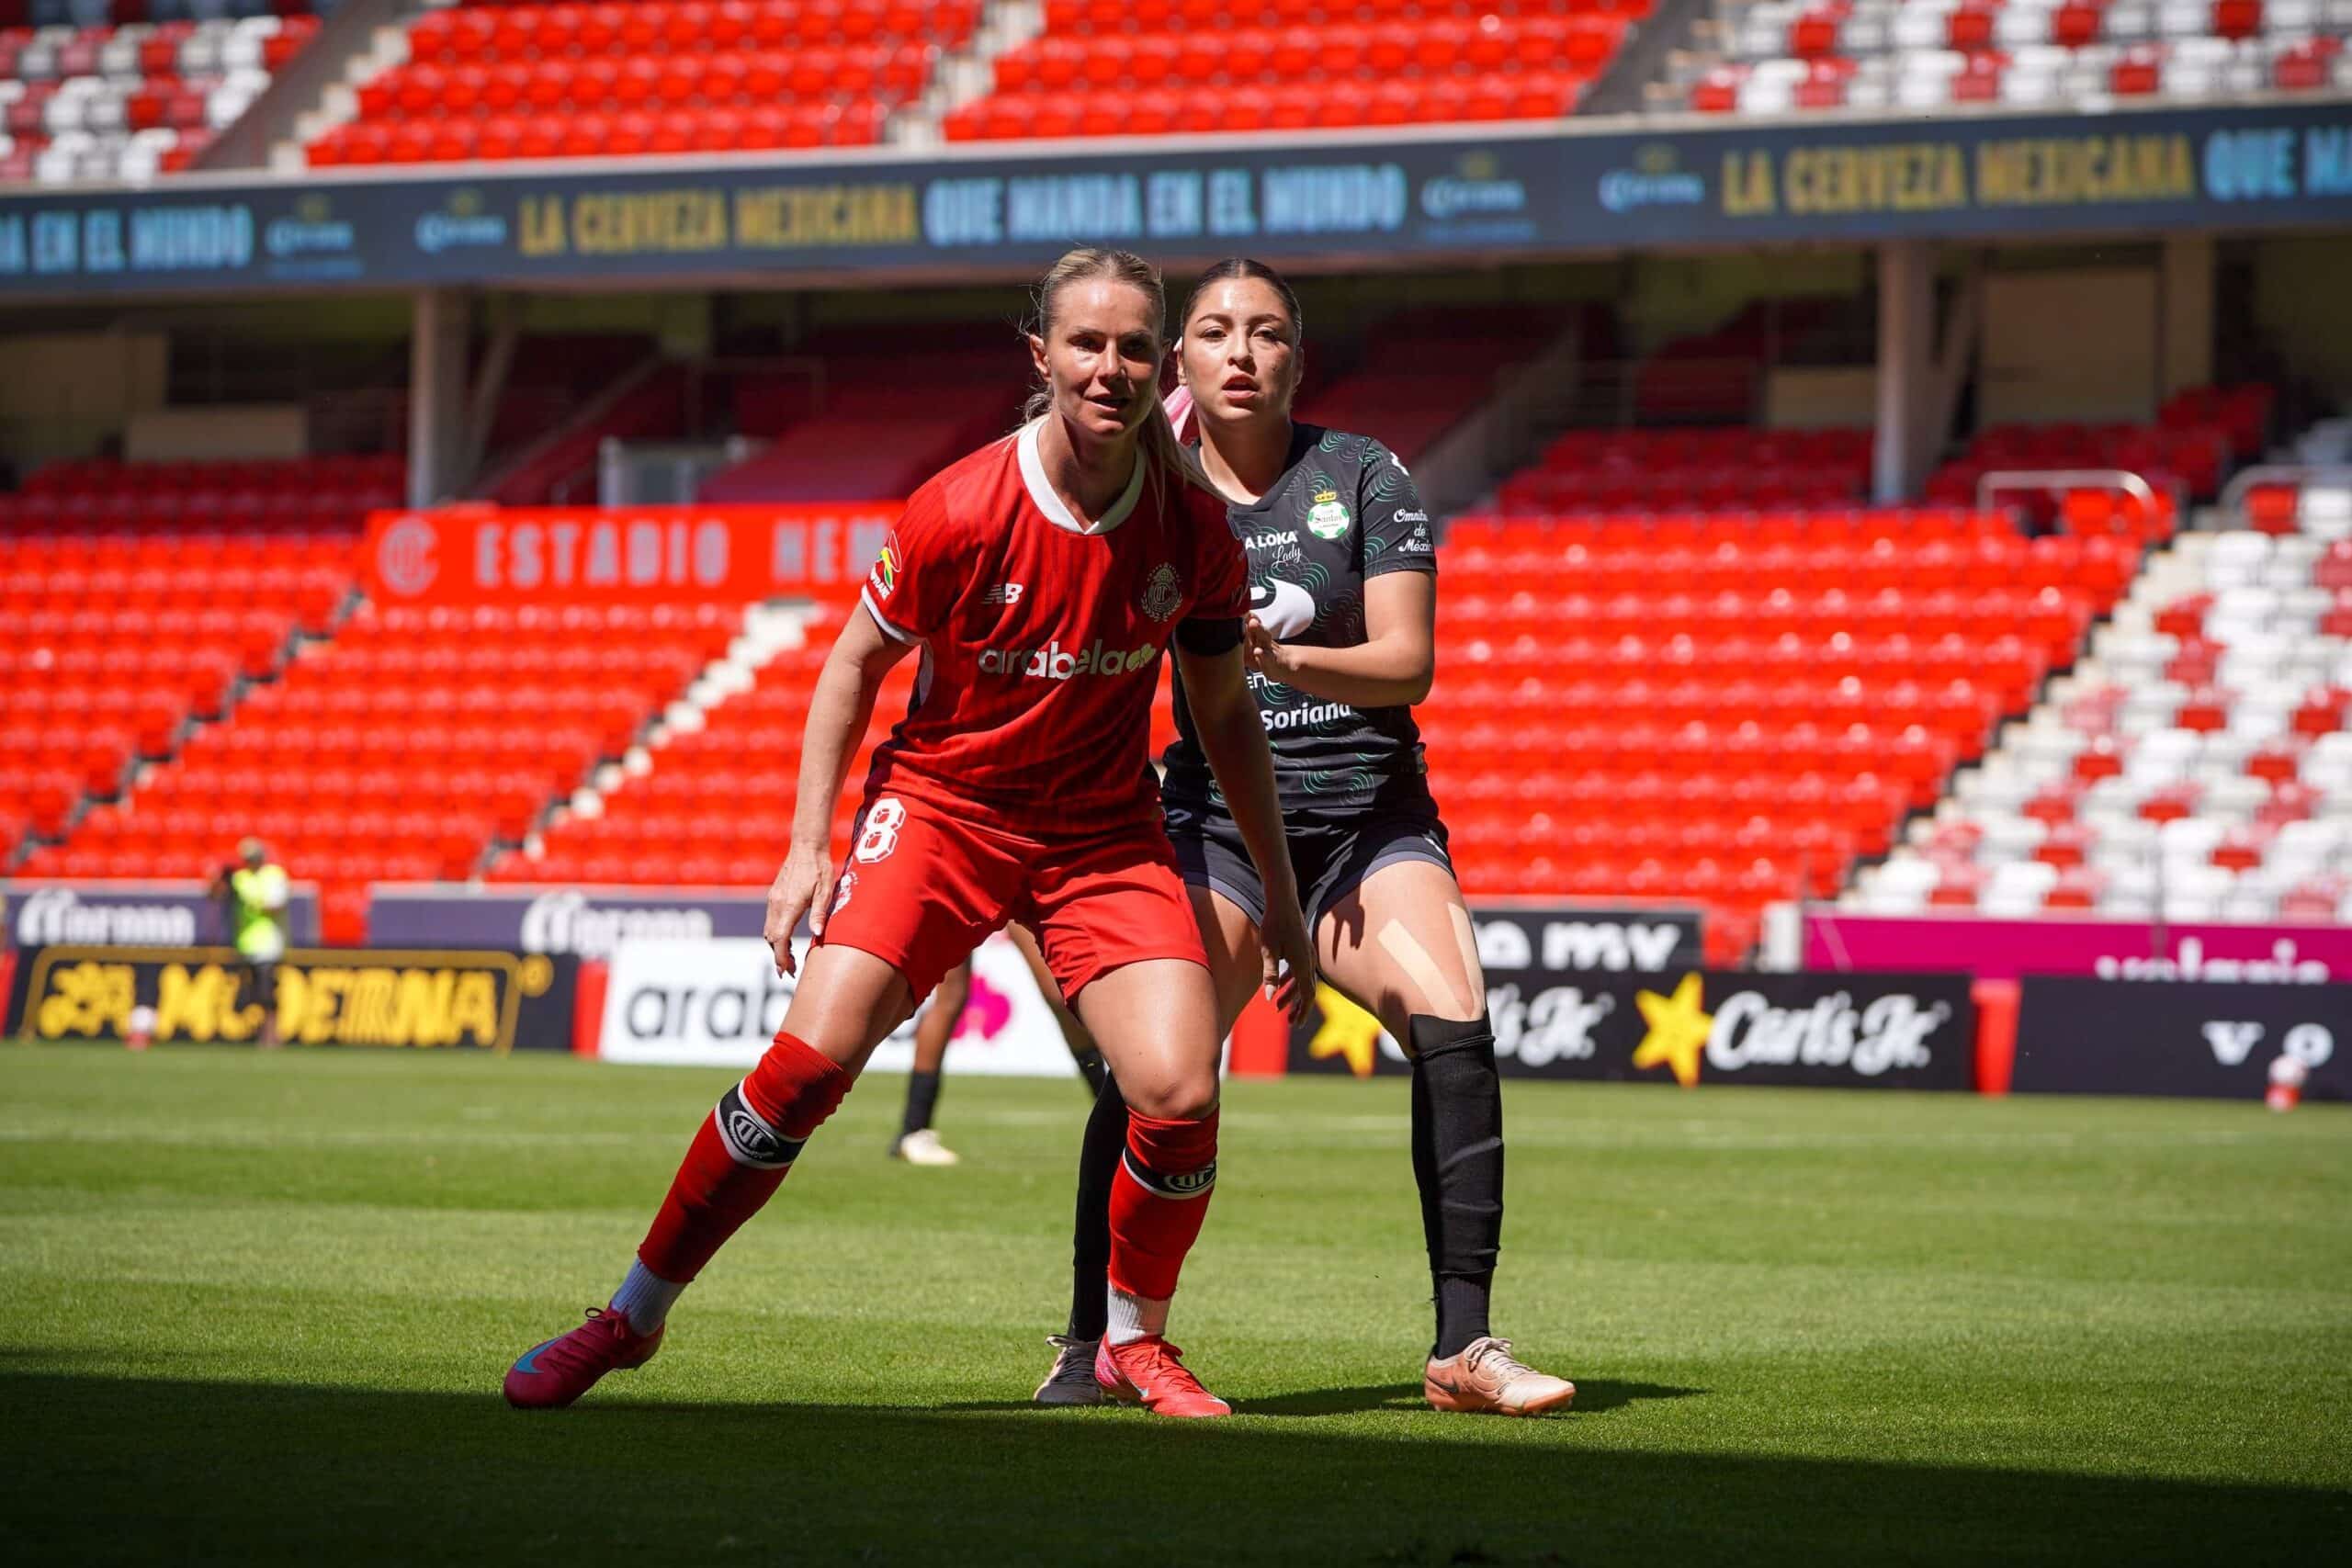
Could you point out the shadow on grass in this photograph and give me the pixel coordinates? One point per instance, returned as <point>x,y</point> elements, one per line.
<point>101,1470</point>
<point>1592,1398</point>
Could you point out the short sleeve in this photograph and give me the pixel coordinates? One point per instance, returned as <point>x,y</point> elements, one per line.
<point>1396,526</point>
<point>1220,570</point>
<point>914,579</point>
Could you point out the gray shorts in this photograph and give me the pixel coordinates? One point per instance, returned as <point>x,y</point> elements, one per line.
<point>1330,857</point>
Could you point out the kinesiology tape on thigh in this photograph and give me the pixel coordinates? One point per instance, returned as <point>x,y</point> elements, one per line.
<point>1458,1141</point>
<point>1173,1159</point>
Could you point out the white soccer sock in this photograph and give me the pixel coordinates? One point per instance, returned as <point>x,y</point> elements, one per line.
<point>645,1298</point>
<point>1135,1318</point>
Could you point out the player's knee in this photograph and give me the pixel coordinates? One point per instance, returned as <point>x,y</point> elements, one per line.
<point>1177,1097</point>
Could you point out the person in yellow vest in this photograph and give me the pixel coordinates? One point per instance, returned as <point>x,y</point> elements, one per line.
<point>257,893</point>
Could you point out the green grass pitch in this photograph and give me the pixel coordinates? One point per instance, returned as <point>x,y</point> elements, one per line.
<point>254,1309</point>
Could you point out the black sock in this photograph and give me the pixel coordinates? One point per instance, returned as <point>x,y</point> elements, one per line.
<point>1090,1264</point>
<point>1094,1070</point>
<point>1458,1163</point>
<point>923,1100</point>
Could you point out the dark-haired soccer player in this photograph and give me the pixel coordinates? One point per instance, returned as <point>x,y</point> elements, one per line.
<point>1015,788</point>
<point>1340,640</point>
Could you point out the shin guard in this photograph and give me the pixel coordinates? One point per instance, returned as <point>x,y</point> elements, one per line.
<point>740,1155</point>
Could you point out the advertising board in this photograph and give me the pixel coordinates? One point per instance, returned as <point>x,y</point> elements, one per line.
<point>1595,185</point>
<point>2110,949</point>
<point>717,1003</point>
<point>471,999</point>
<point>2206,1039</point>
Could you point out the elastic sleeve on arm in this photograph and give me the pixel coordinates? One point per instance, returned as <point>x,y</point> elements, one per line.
<point>1209,636</point>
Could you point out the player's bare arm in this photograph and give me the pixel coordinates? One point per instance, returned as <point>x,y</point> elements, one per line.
<point>838,711</point>
<point>1234,739</point>
<point>1391,668</point>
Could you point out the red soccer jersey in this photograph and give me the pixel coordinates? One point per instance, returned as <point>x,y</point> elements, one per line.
<point>1042,638</point>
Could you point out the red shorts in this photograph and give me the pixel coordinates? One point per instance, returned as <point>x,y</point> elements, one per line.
<point>920,889</point>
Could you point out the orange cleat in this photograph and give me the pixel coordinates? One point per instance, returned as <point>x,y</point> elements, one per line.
<point>549,1376</point>
<point>1484,1380</point>
<point>1151,1372</point>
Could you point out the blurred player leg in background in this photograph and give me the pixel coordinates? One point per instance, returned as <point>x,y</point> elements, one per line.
<point>1082,1049</point>
<point>917,1144</point>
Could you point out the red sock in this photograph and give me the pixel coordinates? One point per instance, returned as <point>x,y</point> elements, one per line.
<point>740,1155</point>
<point>1159,1197</point>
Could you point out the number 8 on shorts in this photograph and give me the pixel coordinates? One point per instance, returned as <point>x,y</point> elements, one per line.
<point>878,835</point>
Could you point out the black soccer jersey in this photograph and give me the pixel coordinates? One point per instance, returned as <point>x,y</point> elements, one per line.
<point>1344,511</point>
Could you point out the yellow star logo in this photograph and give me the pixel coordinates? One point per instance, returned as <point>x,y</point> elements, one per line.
<point>1346,1031</point>
<point>1679,1029</point>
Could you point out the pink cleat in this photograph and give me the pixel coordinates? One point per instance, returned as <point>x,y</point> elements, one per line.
<point>1151,1372</point>
<point>551,1375</point>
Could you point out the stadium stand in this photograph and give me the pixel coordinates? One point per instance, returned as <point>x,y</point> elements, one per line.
<point>129,89</point>
<point>2198,766</point>
<point>709,801</point>
<point>1691,470</point>
<point>1421,372</point>
<point>495,82</point>
<point>1784,56</point>
<point>2197,437</point>
<point>328,495</point>
<point>1123,67</point>
<point>402,745</point>
<point>1731,708</point>
<point>864,438</point>
<point>113,644</point>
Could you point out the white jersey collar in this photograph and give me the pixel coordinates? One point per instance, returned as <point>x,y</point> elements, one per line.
<point>1033,478</point>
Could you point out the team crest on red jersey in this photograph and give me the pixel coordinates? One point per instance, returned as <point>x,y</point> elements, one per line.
<point>1163,593</point>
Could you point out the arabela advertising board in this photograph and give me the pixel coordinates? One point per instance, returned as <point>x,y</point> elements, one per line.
<point>2109,950</point>
<point>719,1002</point>
<point>489,555</point>
<point>494,1001</point>
<point>2207,1039</point>
<point>1694,1026</point>
<point>133,914</point>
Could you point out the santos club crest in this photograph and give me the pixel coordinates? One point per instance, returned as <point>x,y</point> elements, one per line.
<point>1328,516</point>
<point>1163,593</point>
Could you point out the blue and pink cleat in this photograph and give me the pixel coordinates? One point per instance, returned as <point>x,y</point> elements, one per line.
<point>549,1376</point>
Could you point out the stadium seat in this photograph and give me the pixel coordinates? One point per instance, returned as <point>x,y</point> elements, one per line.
<point>1936,56</point>
<point>99,102</point>
<point>2197,765</point>
<point>1385,65</point>
<point>492,82</point>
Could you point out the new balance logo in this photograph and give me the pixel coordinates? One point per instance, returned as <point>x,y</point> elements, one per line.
<point>1002,594</point>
